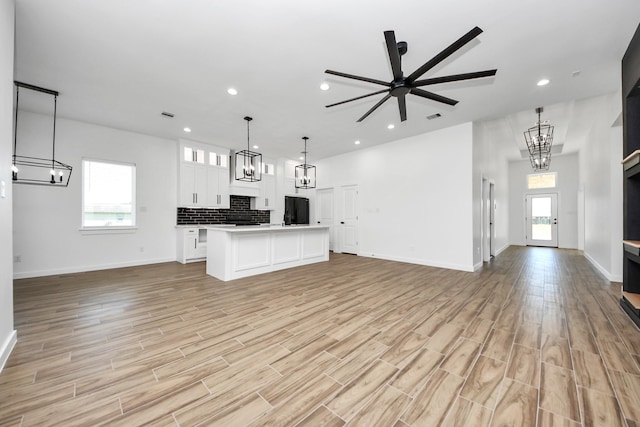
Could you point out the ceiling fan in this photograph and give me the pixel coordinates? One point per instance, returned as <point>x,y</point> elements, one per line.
<point>400,86</point>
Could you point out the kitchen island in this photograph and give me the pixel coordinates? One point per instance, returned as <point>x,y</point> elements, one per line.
<point>236,252</point>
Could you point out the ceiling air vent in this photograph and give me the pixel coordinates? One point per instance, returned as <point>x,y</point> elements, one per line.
<point>170,115</point>
<point>434,116</point>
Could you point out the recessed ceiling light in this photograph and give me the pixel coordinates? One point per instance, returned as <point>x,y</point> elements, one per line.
<point>543,82</point>
<point>232,91</point>
<point>391,126</point>
<point>324,86</point>
<point>575,73</point>
<point>357,142</point>
<point>255,147</point>
<point>301,158</point>
<point>187,130</point>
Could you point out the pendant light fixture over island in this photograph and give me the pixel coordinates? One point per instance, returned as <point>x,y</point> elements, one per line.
<point>248,163</point>
<point>305,174</point>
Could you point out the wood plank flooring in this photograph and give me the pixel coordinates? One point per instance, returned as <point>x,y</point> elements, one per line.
<point>536,338</point>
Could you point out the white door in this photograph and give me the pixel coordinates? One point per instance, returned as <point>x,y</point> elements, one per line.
<point>542,220</point>
<point>324,212</point>
<point>492,219</point>
<point>349,222</point>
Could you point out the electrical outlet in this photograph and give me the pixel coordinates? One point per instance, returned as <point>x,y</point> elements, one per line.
<point>17,258</point>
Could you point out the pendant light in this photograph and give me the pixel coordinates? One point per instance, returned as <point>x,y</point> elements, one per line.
<point>305,174</point>
<point>248,163</point>
<point>32,170</point>
<point>539,139</point>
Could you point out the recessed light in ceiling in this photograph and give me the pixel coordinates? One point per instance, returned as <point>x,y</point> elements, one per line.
<point>575,73</point>
<point>543,82</point>
<point>187,130</point>
<point>301,158</point>
<point>391,126</point>
<point>232,91</point>
<point>357,142</point>
<point>324,86</point>
<point>255,147</point>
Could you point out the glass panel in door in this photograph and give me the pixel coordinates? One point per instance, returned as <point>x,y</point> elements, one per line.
<point>542,220</point>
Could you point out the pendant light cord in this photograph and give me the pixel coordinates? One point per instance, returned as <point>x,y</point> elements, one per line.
<point>15,133</point>
<point>55,110</point>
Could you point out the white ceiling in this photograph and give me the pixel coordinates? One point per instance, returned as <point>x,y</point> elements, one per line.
<point>120,63</point>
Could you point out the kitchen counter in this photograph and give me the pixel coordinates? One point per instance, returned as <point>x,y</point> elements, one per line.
<point>236,252</point>
<point>262,227</point>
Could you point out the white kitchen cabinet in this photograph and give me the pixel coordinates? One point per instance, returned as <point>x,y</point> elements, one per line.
<point>193,184</point>
<point>204,175</point>
<point>192,244</point>
<point>218,188</point>
<point>266,199</point>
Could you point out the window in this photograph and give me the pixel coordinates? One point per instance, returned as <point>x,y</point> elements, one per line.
<point>541,180</point>
<point>217,159</point>
<point>108,194</point>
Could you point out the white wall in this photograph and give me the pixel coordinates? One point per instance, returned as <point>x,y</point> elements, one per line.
<point>490,146</point>
<point>567,189</point>
<point>616,203</point>
<point>601,178</point>
<point>7,333</point>
<point>415,197</point>
<point>47,220</point>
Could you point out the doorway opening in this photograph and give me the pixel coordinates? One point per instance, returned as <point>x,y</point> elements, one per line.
<point>541,220</point>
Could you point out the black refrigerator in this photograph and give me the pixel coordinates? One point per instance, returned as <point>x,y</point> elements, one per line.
<point>296,210</point>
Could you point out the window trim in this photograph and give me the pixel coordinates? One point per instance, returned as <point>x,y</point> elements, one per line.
<point>115,229</point>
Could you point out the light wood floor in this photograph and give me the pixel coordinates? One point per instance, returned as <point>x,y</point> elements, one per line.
<point>535,338</point>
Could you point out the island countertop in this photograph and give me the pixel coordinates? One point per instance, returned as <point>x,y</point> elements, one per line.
<point>263,227</point>
<point>236,252</point>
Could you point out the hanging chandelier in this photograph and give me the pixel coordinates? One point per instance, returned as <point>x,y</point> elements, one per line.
<point>248,163</point>
<point>539,139</point>
<point>32,170</point>
<point>305,176</point>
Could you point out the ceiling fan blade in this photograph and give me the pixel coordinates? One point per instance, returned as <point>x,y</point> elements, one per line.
<point>354,77</point>
<point>444,54</point>
<point>454,78</point>
<point>382,101</point>
<point>358,97</point>
<point>402,105</point>
<point>394,54</point>
<point>433,96</point>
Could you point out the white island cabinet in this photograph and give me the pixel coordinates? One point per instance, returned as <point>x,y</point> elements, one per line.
<point>237,252</point>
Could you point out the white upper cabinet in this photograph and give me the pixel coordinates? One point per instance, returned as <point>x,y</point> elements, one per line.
<point>204,175</point>
<point>266,199</point>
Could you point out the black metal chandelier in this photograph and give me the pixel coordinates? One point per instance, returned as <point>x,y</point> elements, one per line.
<point>248,163</point>
<point>539,139</point>
<point>28,169</point>
<point>305,176</point>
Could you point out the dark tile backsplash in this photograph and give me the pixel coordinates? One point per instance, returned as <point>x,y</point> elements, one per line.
<point>240,206</point>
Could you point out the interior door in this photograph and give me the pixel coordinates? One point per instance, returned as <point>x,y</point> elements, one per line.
<point>542,220</point>
<point>349,221</point>
<point>492,219</point>
<point>324,213</point>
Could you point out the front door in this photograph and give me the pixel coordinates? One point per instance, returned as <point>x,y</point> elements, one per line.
<point>542,220</point>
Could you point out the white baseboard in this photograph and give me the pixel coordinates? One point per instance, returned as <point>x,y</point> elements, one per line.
<point>502,249</point>
<point>81,269</point>
<point>7,348</point>
<point>428,263</point>
<point>602,270</point>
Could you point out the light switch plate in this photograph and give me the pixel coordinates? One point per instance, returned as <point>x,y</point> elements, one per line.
<point>3,189</point>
